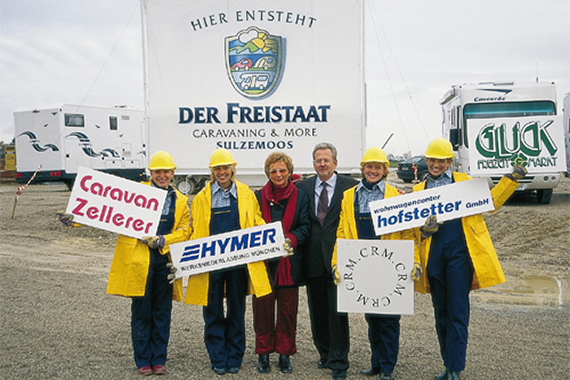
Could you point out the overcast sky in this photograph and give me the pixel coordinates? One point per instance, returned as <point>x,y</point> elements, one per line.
<point>90,52</point>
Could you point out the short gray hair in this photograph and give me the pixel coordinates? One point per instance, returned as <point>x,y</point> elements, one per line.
<point>325,145</point>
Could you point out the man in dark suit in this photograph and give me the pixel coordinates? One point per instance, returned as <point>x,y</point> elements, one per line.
<point>330,328</point>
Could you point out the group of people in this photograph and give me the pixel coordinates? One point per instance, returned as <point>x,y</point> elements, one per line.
<point>450,259</point>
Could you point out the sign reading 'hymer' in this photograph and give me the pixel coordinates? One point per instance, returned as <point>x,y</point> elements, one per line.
<point>375,276</point>
<point>228,250</point>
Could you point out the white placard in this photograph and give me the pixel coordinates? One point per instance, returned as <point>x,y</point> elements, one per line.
<point>115,204</point>
<point>375,276</point>
<point>228,249</point>
<point>446,202</point>
<point>534,142</point>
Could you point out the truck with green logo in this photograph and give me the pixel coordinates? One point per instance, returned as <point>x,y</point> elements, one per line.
<point>495,125</point>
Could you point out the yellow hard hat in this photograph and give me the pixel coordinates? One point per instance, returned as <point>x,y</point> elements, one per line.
<point>374,154</point>
<point>222,157</point>
<point>439,148</point>
<point>161,160</point>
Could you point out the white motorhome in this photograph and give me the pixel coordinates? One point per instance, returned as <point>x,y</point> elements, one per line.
<point>61,138</point>
<point>566,122</point>
<point>502,122</point>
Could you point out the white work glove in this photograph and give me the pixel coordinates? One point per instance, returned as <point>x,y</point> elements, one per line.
<point>287,247</point>
<point>416,272</point>
<point>154,242</point>
<point>66,219</point>
<point>172,276</point>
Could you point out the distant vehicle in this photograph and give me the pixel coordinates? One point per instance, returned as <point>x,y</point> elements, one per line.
<point>406,169</point>
<point>63,137</point>
<point>244,64</point>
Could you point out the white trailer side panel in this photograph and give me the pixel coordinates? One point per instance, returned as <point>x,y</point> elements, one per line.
<point>255,77</point>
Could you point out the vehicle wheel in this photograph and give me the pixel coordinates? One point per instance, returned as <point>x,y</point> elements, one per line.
<point>185,185</point>
<point>544,196</point>
<point>246,68</point>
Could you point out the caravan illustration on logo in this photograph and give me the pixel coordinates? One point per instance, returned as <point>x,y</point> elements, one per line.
<point>254,62</point>
<point>35,142</point>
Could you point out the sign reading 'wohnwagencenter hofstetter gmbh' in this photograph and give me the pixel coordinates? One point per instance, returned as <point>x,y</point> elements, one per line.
<point>534,142</point>
<point>446,203</point>
<point>228,249</point>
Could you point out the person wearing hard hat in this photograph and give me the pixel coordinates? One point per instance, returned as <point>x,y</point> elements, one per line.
<point>280,200</point>
<point>356,223</point>
<point>141,268</point>
<point>457,256</point>
<point>224,205</point>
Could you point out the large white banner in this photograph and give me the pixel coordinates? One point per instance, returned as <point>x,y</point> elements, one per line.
<point>534,142</point>
<point>375,276</point>
<point>115,204</point>
<point>255,77</point>
<point>228,249</point>
<point>446,203</point>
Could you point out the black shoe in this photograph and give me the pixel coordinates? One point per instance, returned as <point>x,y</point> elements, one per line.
<point>220,370</point>
<point>387,376</point>
<point>322,363</point>
<point>285,364</point>
<point>263,364</point>
<point>441,376</point>
<point>372,371</point>
<point>233,370</point>
<point>339,374</point>
<point>453,375</point>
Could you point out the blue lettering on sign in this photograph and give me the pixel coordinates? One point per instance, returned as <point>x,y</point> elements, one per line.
<point>417,213</point>
<point>237,113</point>
<point>235,244</point>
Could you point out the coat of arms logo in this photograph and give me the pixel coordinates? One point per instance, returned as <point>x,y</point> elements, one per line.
<point>254,61</point>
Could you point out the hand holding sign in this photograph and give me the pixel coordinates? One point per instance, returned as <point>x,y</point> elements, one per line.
<point>115,204</point>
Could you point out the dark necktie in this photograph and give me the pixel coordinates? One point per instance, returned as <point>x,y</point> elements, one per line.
<point>323,205</point>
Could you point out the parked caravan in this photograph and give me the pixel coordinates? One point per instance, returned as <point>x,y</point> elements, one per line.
<point>62,138</point>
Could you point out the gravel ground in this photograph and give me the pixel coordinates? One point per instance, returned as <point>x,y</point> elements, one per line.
<point>58,323</point>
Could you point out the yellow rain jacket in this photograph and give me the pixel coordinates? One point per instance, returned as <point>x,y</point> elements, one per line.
<point>487,269</point>
<point>129,269</point>
<point>249,216</point>
<point>347,227</point>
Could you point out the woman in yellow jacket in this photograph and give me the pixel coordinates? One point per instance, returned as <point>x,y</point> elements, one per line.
<point>456,256</point>
<point>140,268</point>
<point>225,205</point>
<point>356,223</point>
